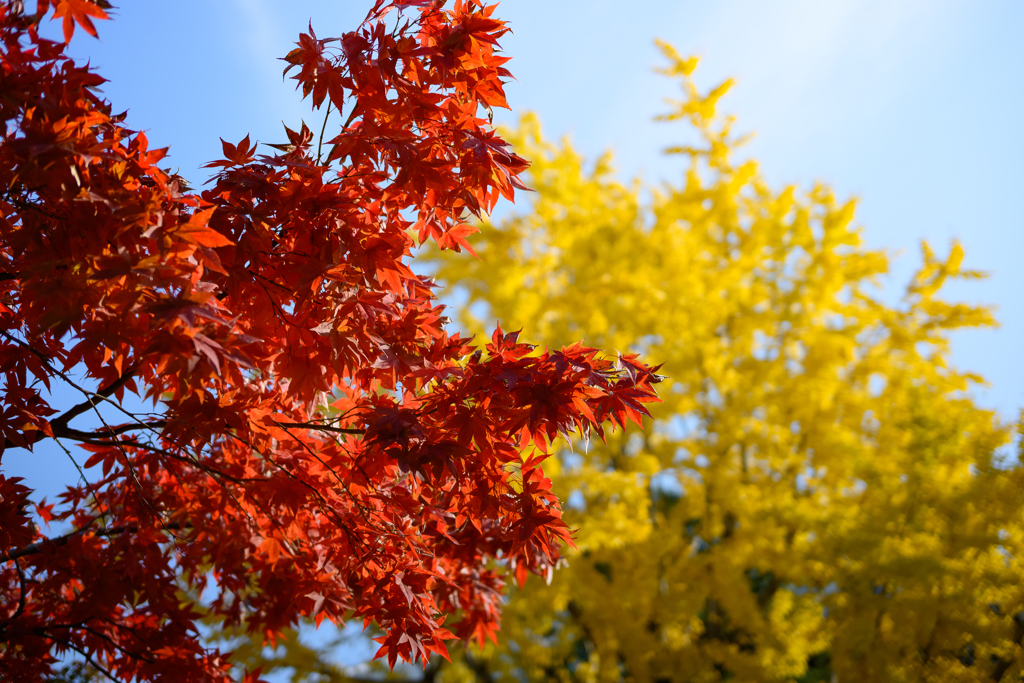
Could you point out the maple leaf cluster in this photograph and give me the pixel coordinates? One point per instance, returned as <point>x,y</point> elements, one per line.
<point>320,445</point>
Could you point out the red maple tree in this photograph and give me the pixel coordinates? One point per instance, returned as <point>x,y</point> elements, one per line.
<point>319,446</point>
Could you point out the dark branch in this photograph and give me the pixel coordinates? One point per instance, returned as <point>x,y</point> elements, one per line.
<point>39,546</point>
<point>321,427</point>
<point>21,599</point>
<point>88,404</point>
<point>322,129</point>
<point>82,652</point>
<point>60,423</point>
<point>61,432</point>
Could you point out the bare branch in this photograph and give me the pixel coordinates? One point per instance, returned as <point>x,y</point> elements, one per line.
<point>92,663</point>
<point>86,405</point>
<point>321,427</point>
<point>39,546</point>
<point>21,598</point>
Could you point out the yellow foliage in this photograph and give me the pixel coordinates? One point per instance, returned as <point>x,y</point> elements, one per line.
<point>817,497</point>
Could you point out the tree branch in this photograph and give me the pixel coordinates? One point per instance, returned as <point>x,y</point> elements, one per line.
<point>62,432</point>
<point>21,598</point>
<point>38,546</point>
<point>88,404</point>
<point>82,652</point>
<point>322,427</point>
<point>60,423</point>
<point>323,128</point>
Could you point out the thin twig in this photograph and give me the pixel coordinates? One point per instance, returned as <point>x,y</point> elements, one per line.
<point>322,129</point>
<point>106,391</point>
<point>85,480</point>
<point>21,598</point>
<point>318,426</point>
<point>68,380</point>
<point>82,652</point>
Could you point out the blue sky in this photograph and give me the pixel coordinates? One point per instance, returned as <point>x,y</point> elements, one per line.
<point>914,107</point>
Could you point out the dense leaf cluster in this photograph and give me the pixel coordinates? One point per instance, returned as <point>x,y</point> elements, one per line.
<point>319,445</point>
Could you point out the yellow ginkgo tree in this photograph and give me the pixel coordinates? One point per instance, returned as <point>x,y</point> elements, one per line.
<point>818,497</point>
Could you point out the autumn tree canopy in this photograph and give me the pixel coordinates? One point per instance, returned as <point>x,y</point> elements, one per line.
<point>317,443</point>
<point>819,498</point>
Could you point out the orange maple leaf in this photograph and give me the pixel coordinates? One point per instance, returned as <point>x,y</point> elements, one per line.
<point>78,11</point>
